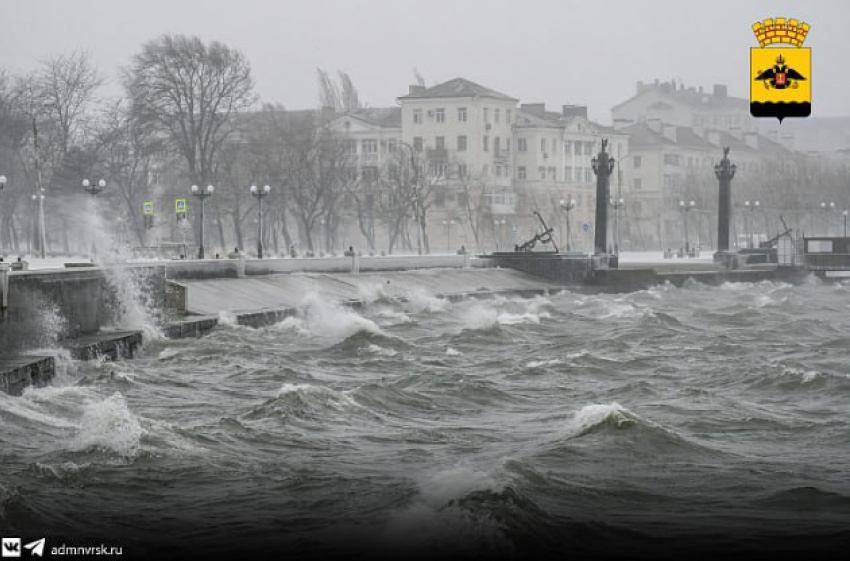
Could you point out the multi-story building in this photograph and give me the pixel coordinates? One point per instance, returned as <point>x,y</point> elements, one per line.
<point>682,106</point>
<point>674,164</point>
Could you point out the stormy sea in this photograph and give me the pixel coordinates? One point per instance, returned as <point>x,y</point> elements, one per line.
<point>666,423</point>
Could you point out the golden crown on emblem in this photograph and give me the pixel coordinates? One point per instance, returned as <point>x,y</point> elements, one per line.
<point>780,30</point>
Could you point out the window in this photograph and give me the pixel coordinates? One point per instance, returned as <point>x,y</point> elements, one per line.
<point>417,143</point>
<point>568,147</point>
<point>440,197</point>
<point>588,175</point>
<point>486,115</point>
<point>369,173</point>
<point>508,116</point>
<point>578,148</point>
<point>508,144</point>
<point>441,143</point>
<point>417,116</point>
<point>437,169</point>
<point>351,147</point>
<point>461,144</point>
<point>351,173</point>
<point>496,114</point>
<point>461,171</point>
<point>579,199</point>
<point>461,114</point>
<point>497,144</point>
<point>669,180</point>
<point>461,199</point>
<point>543,145</point>
<point>498,171</point>
<point>637,162</point>
<point>588,148</point>
<point>392,146</point>
<point>552,173</point>
<point>638,185</point>
<point>520,172</point>
<point>440,115</point>
<point>671,159</point>
<point>369,146</point>
<point>521,145</point>
<point>486,143</point>
<point>541,171</point>
<point>568,174</point>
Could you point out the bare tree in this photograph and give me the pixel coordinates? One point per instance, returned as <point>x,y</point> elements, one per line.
<point>190,91</point>
<point>68,84</point>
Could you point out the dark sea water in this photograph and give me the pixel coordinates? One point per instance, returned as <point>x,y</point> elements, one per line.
<point>673,422</point>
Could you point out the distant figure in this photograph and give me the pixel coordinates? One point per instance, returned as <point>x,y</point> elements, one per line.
<point>350,251</point>
<point>516,248</point>
<point>292,252</point>
<point>462,250</point>
<point>234,254</point>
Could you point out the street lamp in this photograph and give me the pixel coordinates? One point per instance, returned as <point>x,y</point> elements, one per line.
<point>686,207</point>
<point>93,188</point>
<point>203,195</point>
<point>497,223</point>
<point>260,193</point>
<point>826,208</point>
<point>448,224</point>
<point>40,235</point>
<point>567,206</point>
<point>845,222</point>
<point>752,206</point>
<point>616,203</point>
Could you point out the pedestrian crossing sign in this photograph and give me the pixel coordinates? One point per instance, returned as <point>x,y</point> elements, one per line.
<point>180,206</point>
<point>147,208</point>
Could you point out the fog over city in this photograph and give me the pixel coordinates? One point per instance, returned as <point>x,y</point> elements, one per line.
<point>559,51</point>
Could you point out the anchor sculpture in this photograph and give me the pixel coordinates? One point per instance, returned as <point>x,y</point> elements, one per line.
<point>544,237</point>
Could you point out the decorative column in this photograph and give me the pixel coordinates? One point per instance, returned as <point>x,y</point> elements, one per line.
<point>724,171</point>
<point>603,167</point>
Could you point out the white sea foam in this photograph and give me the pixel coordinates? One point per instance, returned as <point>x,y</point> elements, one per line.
<point>542,363</point>
<point>453,352</point>
<point>595,414</point>
<point>226,317</point>
<point>381,351</point>
<point>329,319</point>
<point>418,301</point>
<point>109,424</point>
<point>370,293</point>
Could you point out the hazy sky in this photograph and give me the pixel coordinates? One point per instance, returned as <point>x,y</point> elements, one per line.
<point>558,51</point>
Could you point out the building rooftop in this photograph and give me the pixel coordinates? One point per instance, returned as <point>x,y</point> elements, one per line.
<point>458,87</point>
<point>387,117</point>
<point>715,100</point>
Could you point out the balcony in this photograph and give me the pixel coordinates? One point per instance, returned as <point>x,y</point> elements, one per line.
<point>437,155</point>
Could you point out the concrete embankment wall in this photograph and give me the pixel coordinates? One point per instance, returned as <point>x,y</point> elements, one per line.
<point>235,268</point>
<point>287,291</point>
<point>49,306</point>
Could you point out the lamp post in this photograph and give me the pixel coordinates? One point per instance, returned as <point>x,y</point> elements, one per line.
<point>826,208</point>
<point>603,166</point>
<point>93,189</point>
<point>259,194</point>
<point>725,172</point>
<point>686,207</point>
<point>844,214</point>
<point>448,224</point>
<point>616,204</point>
<point>567,206</point>
<point>497,225</point>
<point>40,234</point>
<point>752,207</point>
<point>203,195</point>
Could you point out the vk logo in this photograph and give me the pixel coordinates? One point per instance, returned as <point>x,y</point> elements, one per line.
<point>11,547</point>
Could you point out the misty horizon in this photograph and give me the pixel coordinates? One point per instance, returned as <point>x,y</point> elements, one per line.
<point>552,52</point>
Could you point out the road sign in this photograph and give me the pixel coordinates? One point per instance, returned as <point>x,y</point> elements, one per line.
<point>180,206</point>
<point>147,208</point>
